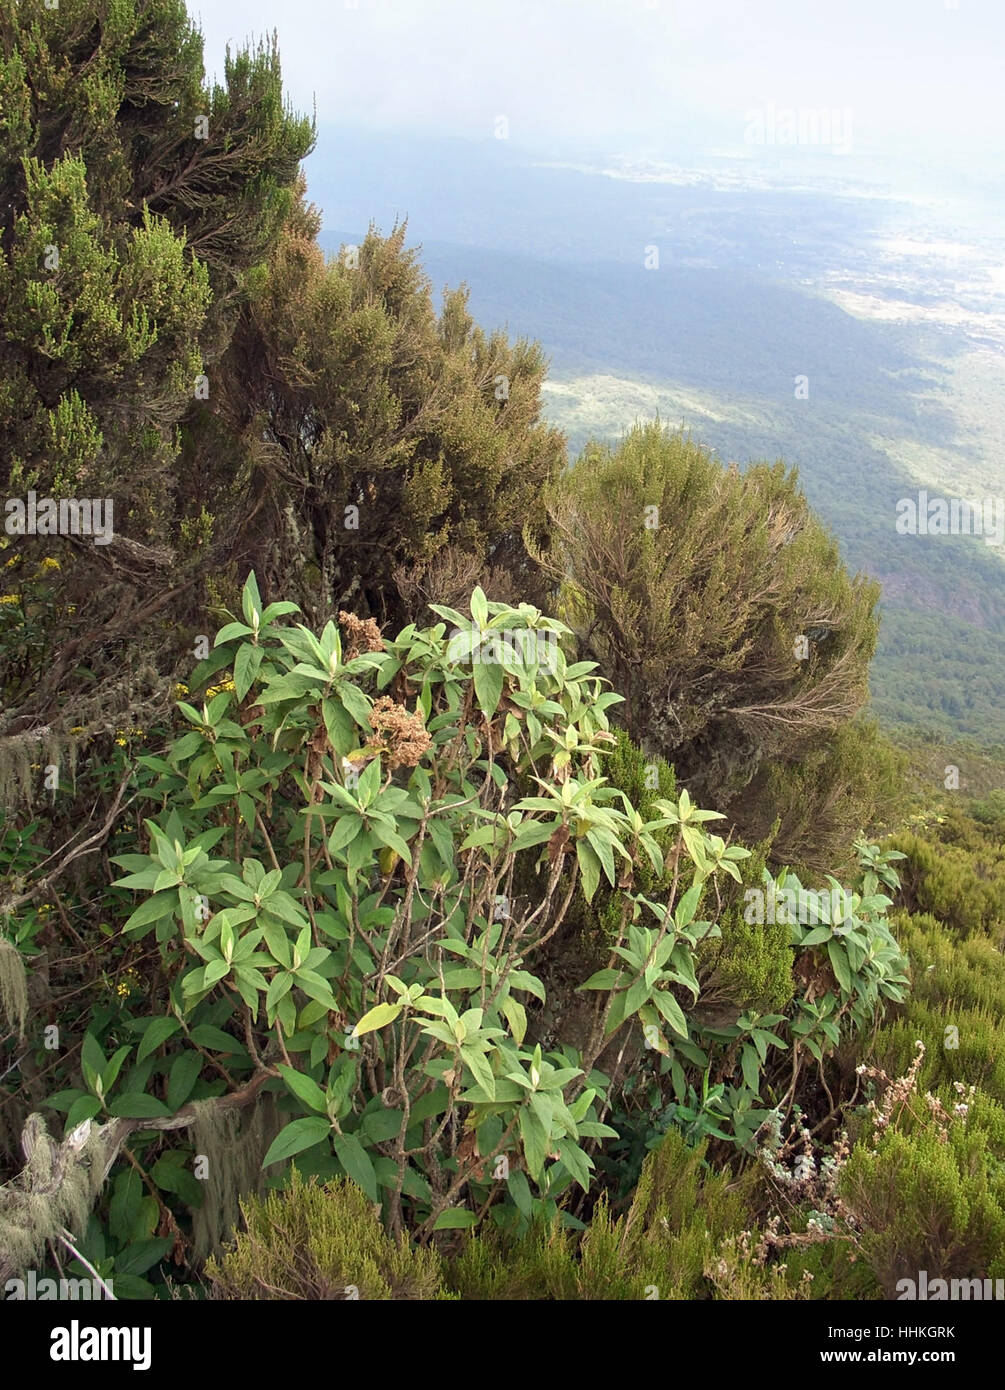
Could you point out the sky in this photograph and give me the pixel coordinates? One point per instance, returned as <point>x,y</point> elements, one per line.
<point>630,76</point>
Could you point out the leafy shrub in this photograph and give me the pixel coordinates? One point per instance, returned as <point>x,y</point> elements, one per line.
<point>387,928</point>
<point>373,981</point>
<point>838,968</point>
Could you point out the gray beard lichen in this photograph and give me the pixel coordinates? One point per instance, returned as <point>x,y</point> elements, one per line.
<point>233,1144</point>
<point>13,987</point>
<point>56,1188</point>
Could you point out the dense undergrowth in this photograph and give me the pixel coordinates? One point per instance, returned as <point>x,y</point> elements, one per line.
<point>377,1005</point>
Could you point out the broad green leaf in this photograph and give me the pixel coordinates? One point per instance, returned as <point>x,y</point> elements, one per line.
<point>161,905</point>
<point>479,607</point>
<point>305,1089</point>
<point>839,964</point>
<point>124,1205</point>
<point>516,1016</point>
<point>356,703</point>
<point>671,1011</point>
<point>589,866</point>
<point>140,1256</point>
<point>83,1108</point>
<point>346,829</point>
<point>278,610</point>
<point>687,907</point>
<point>377,1017</point>
<point>246,666</point>
<point>295,1137</point>
<point>356,1162</point>
<point>488,677</point>
<point>519,1189</point>
<point>480,1069</point>
<point>182,1077</point>
<point>215,970</point>
<point>535,1141</point>
<point>228,633</point>
<point>576,1162</point>
<point>638,994</point>
<point>251,600</point>
<point>380,1125</point>
<point>522,979</point>
<point>455,1219</point>
<point>206,1035</point>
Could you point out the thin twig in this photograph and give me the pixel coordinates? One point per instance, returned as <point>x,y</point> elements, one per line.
<point>64,1237</point>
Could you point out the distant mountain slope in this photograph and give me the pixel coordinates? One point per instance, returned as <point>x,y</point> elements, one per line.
<point>906,383</point>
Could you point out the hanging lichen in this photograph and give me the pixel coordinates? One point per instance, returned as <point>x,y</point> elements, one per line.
<point>56,1188</point>
<point>13,987</point>
<point>232,1144</point>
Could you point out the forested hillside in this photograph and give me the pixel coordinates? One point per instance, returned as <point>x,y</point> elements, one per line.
<point>774,322</point>
<point>435,862</point>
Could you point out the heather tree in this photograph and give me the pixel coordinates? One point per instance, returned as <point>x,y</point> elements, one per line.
<point>396,453</point>
<point>136,201</point>
<point>720,607</point>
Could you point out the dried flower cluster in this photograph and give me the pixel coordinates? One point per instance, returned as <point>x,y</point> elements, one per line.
<point>809,1180</point>
<point>400,735</point>
<point>897,1095</point>
<point>363,635</point>
<point>740,1272</point>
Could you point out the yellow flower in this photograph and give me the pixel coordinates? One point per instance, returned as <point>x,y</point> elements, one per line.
<point>10,598</point>
<point>128,984</point>
<point>78,729</point>
<point>12,561</point>
<point>180,690</point>
<point>121,742</point>
<point>50,563</point>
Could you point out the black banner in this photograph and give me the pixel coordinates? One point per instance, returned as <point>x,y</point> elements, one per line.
<point>106,1337</point>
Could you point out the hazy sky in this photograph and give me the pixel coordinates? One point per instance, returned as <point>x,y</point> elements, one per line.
<point>625,73</point>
